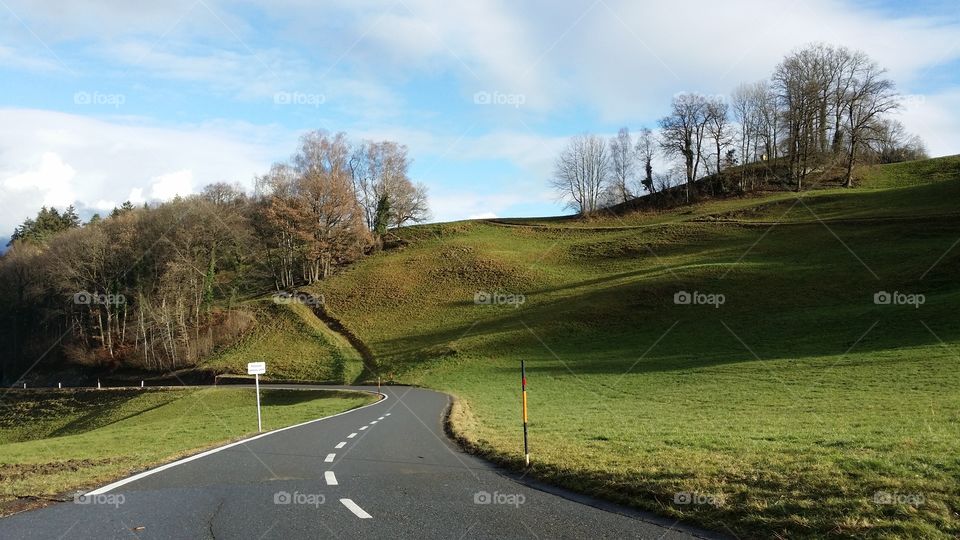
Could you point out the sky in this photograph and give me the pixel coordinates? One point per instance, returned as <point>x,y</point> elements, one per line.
<point>105,101</point>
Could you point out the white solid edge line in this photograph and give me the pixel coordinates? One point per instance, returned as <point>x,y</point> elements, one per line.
<point>172,464</point>
<point>329,458</point>
<point>352,435</point>
<point>357,511</point>
<point>330,478</point>
<point>340,445</point>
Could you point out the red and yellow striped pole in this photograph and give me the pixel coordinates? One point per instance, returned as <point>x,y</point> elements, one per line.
<point>523,388</point>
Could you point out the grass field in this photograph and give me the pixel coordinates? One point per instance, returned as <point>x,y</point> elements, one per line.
<point>797,407</point>
<point>55,441</point>
<point>296,345</point>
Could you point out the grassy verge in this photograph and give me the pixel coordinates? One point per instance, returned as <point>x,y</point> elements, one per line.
<point>799,407</point>
<point>55,441</point>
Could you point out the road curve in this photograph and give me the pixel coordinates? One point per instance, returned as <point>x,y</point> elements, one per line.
<point>385,470</point>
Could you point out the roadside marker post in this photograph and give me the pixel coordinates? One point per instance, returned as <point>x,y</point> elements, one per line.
<point>523,389</point>
<point>256,369</point>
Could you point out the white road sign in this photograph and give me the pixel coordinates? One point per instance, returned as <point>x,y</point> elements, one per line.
<point>256,368</point>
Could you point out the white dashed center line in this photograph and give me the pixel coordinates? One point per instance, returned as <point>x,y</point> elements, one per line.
<point>330,478</point>
<point>357,511</point>
<point>374,422</point>
<point>341,445</point>
<point>364,427</point>
<point>352,435</point>
<point>329,458</point>
<point>381,418</point>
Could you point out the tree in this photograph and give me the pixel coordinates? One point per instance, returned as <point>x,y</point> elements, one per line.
<point>646,150</point>
<point>581,172</point>
<point>869,95</point>
<point>682,133</point>
<point>408,204</point>
<point>224,194</point>
<point>331,223</point>
<point>891,143</point>
<point>718,127</point>
<point>622,165</point>
<point>49,222</point>
<point>382,219</point>
<point>381,169</point>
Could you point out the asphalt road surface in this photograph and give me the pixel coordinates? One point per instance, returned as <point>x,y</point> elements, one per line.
<point>386,470</point>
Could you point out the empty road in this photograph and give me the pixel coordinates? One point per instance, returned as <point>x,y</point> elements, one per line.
<point>386,470</point>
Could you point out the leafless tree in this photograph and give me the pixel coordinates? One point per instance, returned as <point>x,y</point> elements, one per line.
<point>683,131</point>
<point>622,165</point>
<point>718,128</point>
<point>380,172</point>
<point>870,95</point>
<point>581,173</point>
<point>891,143</point>
<point>646,150</point>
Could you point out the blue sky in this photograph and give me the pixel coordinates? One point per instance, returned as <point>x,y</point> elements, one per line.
<point>114,100</point>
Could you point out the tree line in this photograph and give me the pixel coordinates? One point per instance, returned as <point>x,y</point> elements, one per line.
<point>823,110</point>
<point>155,287</point>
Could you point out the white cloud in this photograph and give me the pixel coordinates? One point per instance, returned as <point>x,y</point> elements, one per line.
<point>484,215</point>
<point>934,118</point>
<point>170,185</point>
<point>136,196</point>
<point>58,159</point>
<point>51,181</point>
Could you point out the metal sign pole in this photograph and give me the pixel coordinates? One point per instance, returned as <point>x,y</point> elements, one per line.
<point>256,380</point>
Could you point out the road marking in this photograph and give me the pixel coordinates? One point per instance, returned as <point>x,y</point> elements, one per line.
<point>364,427</point>
<point>329,458</point>
<point>352,435</point>
<point>144,474</point>
<point>357,511</point>
<point>388,414</point>
<point>381,418</point>
<point>330,478</point>
<point>341,445</point>
<point>374,422</point>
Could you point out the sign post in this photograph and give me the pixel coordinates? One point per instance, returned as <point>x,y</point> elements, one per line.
<point>523,389</point>
<point>256,369</point>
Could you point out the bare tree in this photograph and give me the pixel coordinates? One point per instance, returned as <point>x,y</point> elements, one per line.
<point>891,143</point>
<point>380,172</point>
<point>581,172</point>
<point>646,150</point>
<point>682,133</point>
<point>718,127</point>
<point>622,165</point>
<point>870,95</point>
<point>408,204</point>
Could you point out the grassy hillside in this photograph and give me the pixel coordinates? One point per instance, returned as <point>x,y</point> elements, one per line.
<point>295,344</point>
<point>797,407</point>
<point>54,441</point>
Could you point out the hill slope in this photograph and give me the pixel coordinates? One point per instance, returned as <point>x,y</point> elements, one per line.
<point>295,343</point>
<point>798,406</point>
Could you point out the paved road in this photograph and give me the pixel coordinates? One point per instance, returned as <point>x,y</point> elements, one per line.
<point>383,471</point>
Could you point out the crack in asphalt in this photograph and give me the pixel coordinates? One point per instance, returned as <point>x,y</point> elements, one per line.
<point>213,516</point>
